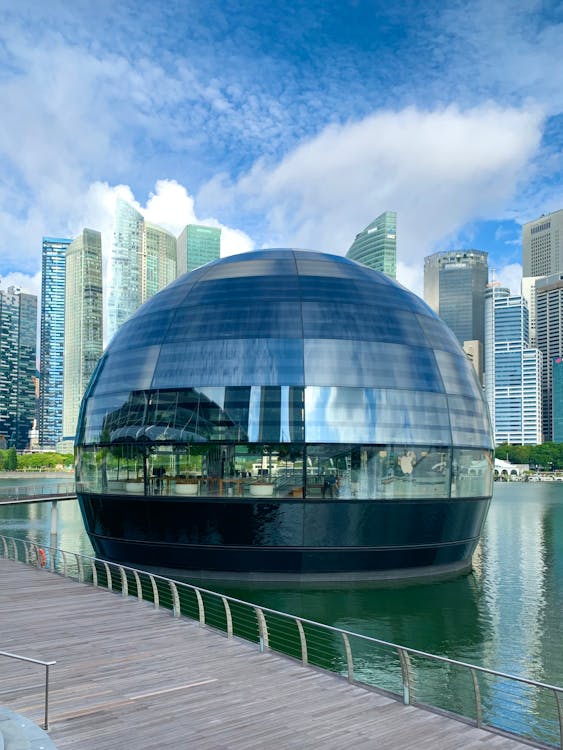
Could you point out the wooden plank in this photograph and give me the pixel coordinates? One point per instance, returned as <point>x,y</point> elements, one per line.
<point>130,676</point>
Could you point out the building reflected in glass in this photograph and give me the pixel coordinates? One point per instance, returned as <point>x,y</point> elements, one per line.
<point>285,412</point>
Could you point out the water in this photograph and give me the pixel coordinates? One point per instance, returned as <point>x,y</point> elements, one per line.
<point>505,615</point>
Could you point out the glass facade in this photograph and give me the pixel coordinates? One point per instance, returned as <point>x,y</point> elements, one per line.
<point>83,322</point>
<point>52,340</point>
<point>198,245</point>
<point>557,369</point>
<point>514,370</point>
<point>18,335</point>
<point>143,261</point>
<point>288,374</point>
<point>454,287</point>
<point>376,245</point>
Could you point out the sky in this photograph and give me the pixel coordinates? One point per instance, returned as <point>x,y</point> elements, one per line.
<point>291,123</point>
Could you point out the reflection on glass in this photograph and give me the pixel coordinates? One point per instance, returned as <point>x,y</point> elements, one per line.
<point>315,472</point>
<point>316,442</point>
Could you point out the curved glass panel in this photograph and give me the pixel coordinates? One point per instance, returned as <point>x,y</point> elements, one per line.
<point>230,362</point>
<point>317,473</point>
<point>338,415</point>
<point>362,363</point>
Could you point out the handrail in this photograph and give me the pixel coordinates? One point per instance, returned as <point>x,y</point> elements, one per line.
<point>261,625</point>
<point>45,664</point>
<point>56,490</point>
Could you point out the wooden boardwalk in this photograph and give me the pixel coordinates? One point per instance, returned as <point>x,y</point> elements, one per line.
<point>128,676</point>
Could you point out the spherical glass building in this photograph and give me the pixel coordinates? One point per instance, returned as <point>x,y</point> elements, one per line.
<point>285,412</point>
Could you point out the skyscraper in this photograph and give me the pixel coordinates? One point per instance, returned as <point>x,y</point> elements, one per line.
<point>83,341</point>
<point>454,287</point>
<point>198,245</point>
<point>143,260</point>
<point>513,370</point>
<point>549,335</point>
<point>376,245</point>
<point>125,265</point>
<point>52,340</point>
<point>159,260</point>
<point>18,336</point>
<point>542,245</point>
<point>557,413</point>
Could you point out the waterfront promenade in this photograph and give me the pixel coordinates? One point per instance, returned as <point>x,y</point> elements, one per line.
<point>128,675</point>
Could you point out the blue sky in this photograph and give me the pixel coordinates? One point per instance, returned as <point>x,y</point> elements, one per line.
<point>286,123</point>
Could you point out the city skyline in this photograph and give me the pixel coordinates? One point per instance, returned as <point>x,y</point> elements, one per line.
<point>274,124</point>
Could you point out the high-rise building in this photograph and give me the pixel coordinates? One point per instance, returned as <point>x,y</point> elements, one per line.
<point>513,370</point>
<point>18,336</point>
<point>454,287</point>
<point>549,334</point>
<point>52,340</point>
<point>557,401</point>
<point>159,260</point>
<point>376,245</point>
<point>143,260</point>
<point>542,245</point>
<point>198,245</point>
<point>83,342</point>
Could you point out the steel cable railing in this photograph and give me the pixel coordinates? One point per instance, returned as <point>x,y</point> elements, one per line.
<point>488,698</point>
<point>57,489</point>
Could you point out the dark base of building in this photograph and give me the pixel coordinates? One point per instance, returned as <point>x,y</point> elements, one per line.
<point>287,539</point>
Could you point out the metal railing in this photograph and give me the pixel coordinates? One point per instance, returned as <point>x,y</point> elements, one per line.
<point>45,664</point>
<point>22,492</point>
<point>490,699</point>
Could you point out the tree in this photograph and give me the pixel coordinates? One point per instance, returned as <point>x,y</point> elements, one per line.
<point>11,459</point>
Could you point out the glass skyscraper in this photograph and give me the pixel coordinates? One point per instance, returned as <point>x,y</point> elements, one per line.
<point>83,342</point>
<point>376,245</point>
<point>557,391</point>
<point>549,337</point>
<point>198,245</point>
<point>143,261</point>
<point>18,335</point>
<point>52,340</point>
<point>513,370</point>
<point>454,287</point>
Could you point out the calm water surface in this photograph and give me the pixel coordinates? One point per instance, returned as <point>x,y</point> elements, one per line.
<point>507,614</point>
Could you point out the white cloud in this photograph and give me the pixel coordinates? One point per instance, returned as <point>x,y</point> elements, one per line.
<point>172,207</point>
<point>510,276</point>
<point>438,170</point>
<point>25,282</point>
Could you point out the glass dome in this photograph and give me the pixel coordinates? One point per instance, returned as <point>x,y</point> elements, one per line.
<point>284,374</point>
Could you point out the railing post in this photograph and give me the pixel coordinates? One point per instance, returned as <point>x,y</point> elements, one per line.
<point>46,722</point>
<point>64,562</point>
<point>139,587</point>
<point>406,674</point>
<point>94,573</point>
<point>477,692</point>
<point>14,546</point>
<point>154,591</point>
<point>349,659</point>
<point>108,575</point>
<point>262,630</point>
<point>229,617</point>
<point>560,716</point>
<point>80,568</point>
<point>124,583</point>
<point>5,546</point>
<point>200,607</point>
<point>175,599</point>
<point>303,639</point>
